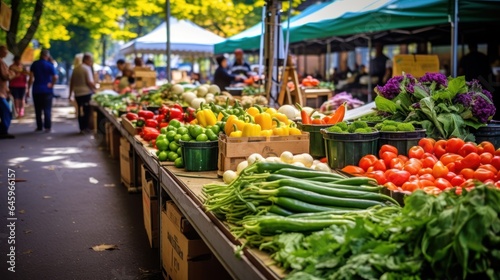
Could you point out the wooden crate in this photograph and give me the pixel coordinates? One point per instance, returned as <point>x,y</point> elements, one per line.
<point>129,127</point>
<point>144,77</point>
<point>233,150</point>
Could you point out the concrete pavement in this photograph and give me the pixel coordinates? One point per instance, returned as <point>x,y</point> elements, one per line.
<point>68,198</point>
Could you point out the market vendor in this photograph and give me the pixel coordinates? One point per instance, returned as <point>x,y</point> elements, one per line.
<point>221,77</point>
<point>127,81</point>
<point>240,66</point>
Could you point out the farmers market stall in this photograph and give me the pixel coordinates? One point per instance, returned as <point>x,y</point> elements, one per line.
<point>294,193</point>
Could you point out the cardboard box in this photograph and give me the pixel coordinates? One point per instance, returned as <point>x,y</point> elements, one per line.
<point>175,215</point>
<point>184,255</point>
<point>145,179</point>
<point>150,213</point>
<point>233,150</point>
<point>127,166</point>
<point>144,77</point>
<point>417,65</point>
<point>107,130</point>
<point>114,142</point>
<point>129,127</point>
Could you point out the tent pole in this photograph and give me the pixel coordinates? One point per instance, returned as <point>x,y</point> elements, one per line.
<point>369,89</point>
<point>454,40</point>
<point>169,74</point>
<point>328,53</point>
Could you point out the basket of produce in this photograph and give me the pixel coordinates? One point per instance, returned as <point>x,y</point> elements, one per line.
<point>490,132</point>
<point>346,144</point>
<point>401,135</point>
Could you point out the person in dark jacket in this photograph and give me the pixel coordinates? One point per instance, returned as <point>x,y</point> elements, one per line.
<point>474,64</point>
<point>221,77</point>
<point>240,66</point>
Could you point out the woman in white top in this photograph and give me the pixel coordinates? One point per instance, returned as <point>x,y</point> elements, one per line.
<point>82,85</point>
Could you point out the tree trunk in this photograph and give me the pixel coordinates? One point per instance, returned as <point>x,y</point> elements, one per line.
<point>17,48</point>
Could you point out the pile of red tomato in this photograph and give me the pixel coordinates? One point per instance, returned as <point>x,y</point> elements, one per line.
<point>432,166</point>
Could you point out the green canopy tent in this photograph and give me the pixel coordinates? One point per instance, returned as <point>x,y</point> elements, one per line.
<point>249,40</point>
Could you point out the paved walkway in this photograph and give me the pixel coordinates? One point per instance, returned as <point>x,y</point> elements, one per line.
<point>68,198</point>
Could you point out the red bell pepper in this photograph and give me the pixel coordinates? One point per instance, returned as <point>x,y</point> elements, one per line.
<point>178,106</point>
<point>149,133</point>
<point>163,110</point>
<point>152,123</point>
<point>175,113</point>
<point>163,124</point>
<point>131,116</point>
<point>146,114</point>
<point>190,114</point>
<point>159,118</point>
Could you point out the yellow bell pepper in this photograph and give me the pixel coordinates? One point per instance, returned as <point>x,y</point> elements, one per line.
<point>264,119</point>
<point>236,132</point>
<point>232,119</point>
<point>206,117</point>
<point>293,130</point>
<point>271,111</point>
<point>281,117</point>
<point>281,129</point>
<point>251,130</point>
<point>220,116</point>
<point>253,111</point>
<point>266,133</point>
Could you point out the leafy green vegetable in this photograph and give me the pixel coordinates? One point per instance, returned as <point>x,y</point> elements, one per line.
<point>385,104</point>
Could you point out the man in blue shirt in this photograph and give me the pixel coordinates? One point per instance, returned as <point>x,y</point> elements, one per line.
<point>43,78</point>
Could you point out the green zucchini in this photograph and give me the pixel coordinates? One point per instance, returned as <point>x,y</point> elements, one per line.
<point>269,225</point>
<point>298,206</point>
<point>275,209</point>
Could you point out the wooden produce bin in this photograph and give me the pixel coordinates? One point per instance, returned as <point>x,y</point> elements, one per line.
<point>184,254</point>
<point>233,150</point>
<point>316,95</point>
<point>129,127</point>
<point>144,77</point>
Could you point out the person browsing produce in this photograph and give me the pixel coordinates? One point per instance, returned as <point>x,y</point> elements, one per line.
<point>82,85</point>
<point>18,85</point>
<point>240,66</point>
<point>5,114</point>
<point>221,77</point>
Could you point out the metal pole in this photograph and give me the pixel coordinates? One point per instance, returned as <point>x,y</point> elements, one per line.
<point>328,54</point>
<point>167,22</point>
<point>454,40</point>
<point>103,50</point>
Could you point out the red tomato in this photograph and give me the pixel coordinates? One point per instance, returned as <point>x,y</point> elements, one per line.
<point>353,169</point>
<point>397,163</point>
<point>472,161</point>
<point>390,186</point>
<point>450,175</point>
<point>428,177</point>
<point>411,186</point>
<point>439,170</point>
<point>457,180</point>
<point>379,165</point>
<point>387,148</point>
<point>442,183</point>
<point>467,173</point>
<point>448,158</point>
<point>497,152</point>
<point>485,147</point>
<point>367,161</point>
<point>482,174</point>
<point>387,156</point>
<point>454,144</point>
<point>413,178</point>
<point>497,184</point>
<point>489,167</point>
<point>398,177</point>
<point>440,148</point>
<point>452,166</point>
<point>467,148</point>
<point>486,158</point>
<point>377,175</point>
<point>427,144</point>
<point>429,162</point>
<point>416,152</point>
<point>403,158</point>
<point>426,183</point>
<point>424,171</point>
<point>495,161</point>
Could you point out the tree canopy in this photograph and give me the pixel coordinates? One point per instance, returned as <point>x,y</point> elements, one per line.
<point>46,21</point>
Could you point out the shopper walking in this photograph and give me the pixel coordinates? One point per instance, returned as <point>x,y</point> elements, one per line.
<point>5,113</point>
<point>18,85</point>
<point>82,86</point>
<point>43,77</point>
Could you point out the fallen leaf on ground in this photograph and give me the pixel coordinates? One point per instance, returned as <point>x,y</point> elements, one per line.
<point>51,167</point>
<point>28,231</point>
<point>93,180</point>
<point>47,196</point>
<point>109,185</point>
<point>104,247</point>
<point>21,211</point>
<point>27,252</point>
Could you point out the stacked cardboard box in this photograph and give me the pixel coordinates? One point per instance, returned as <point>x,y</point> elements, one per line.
<point>184,254</point>
<point>127,168</point>
<point>150,207</point>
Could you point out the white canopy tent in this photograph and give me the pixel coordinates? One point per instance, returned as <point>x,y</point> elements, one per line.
<point>186,38</point>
